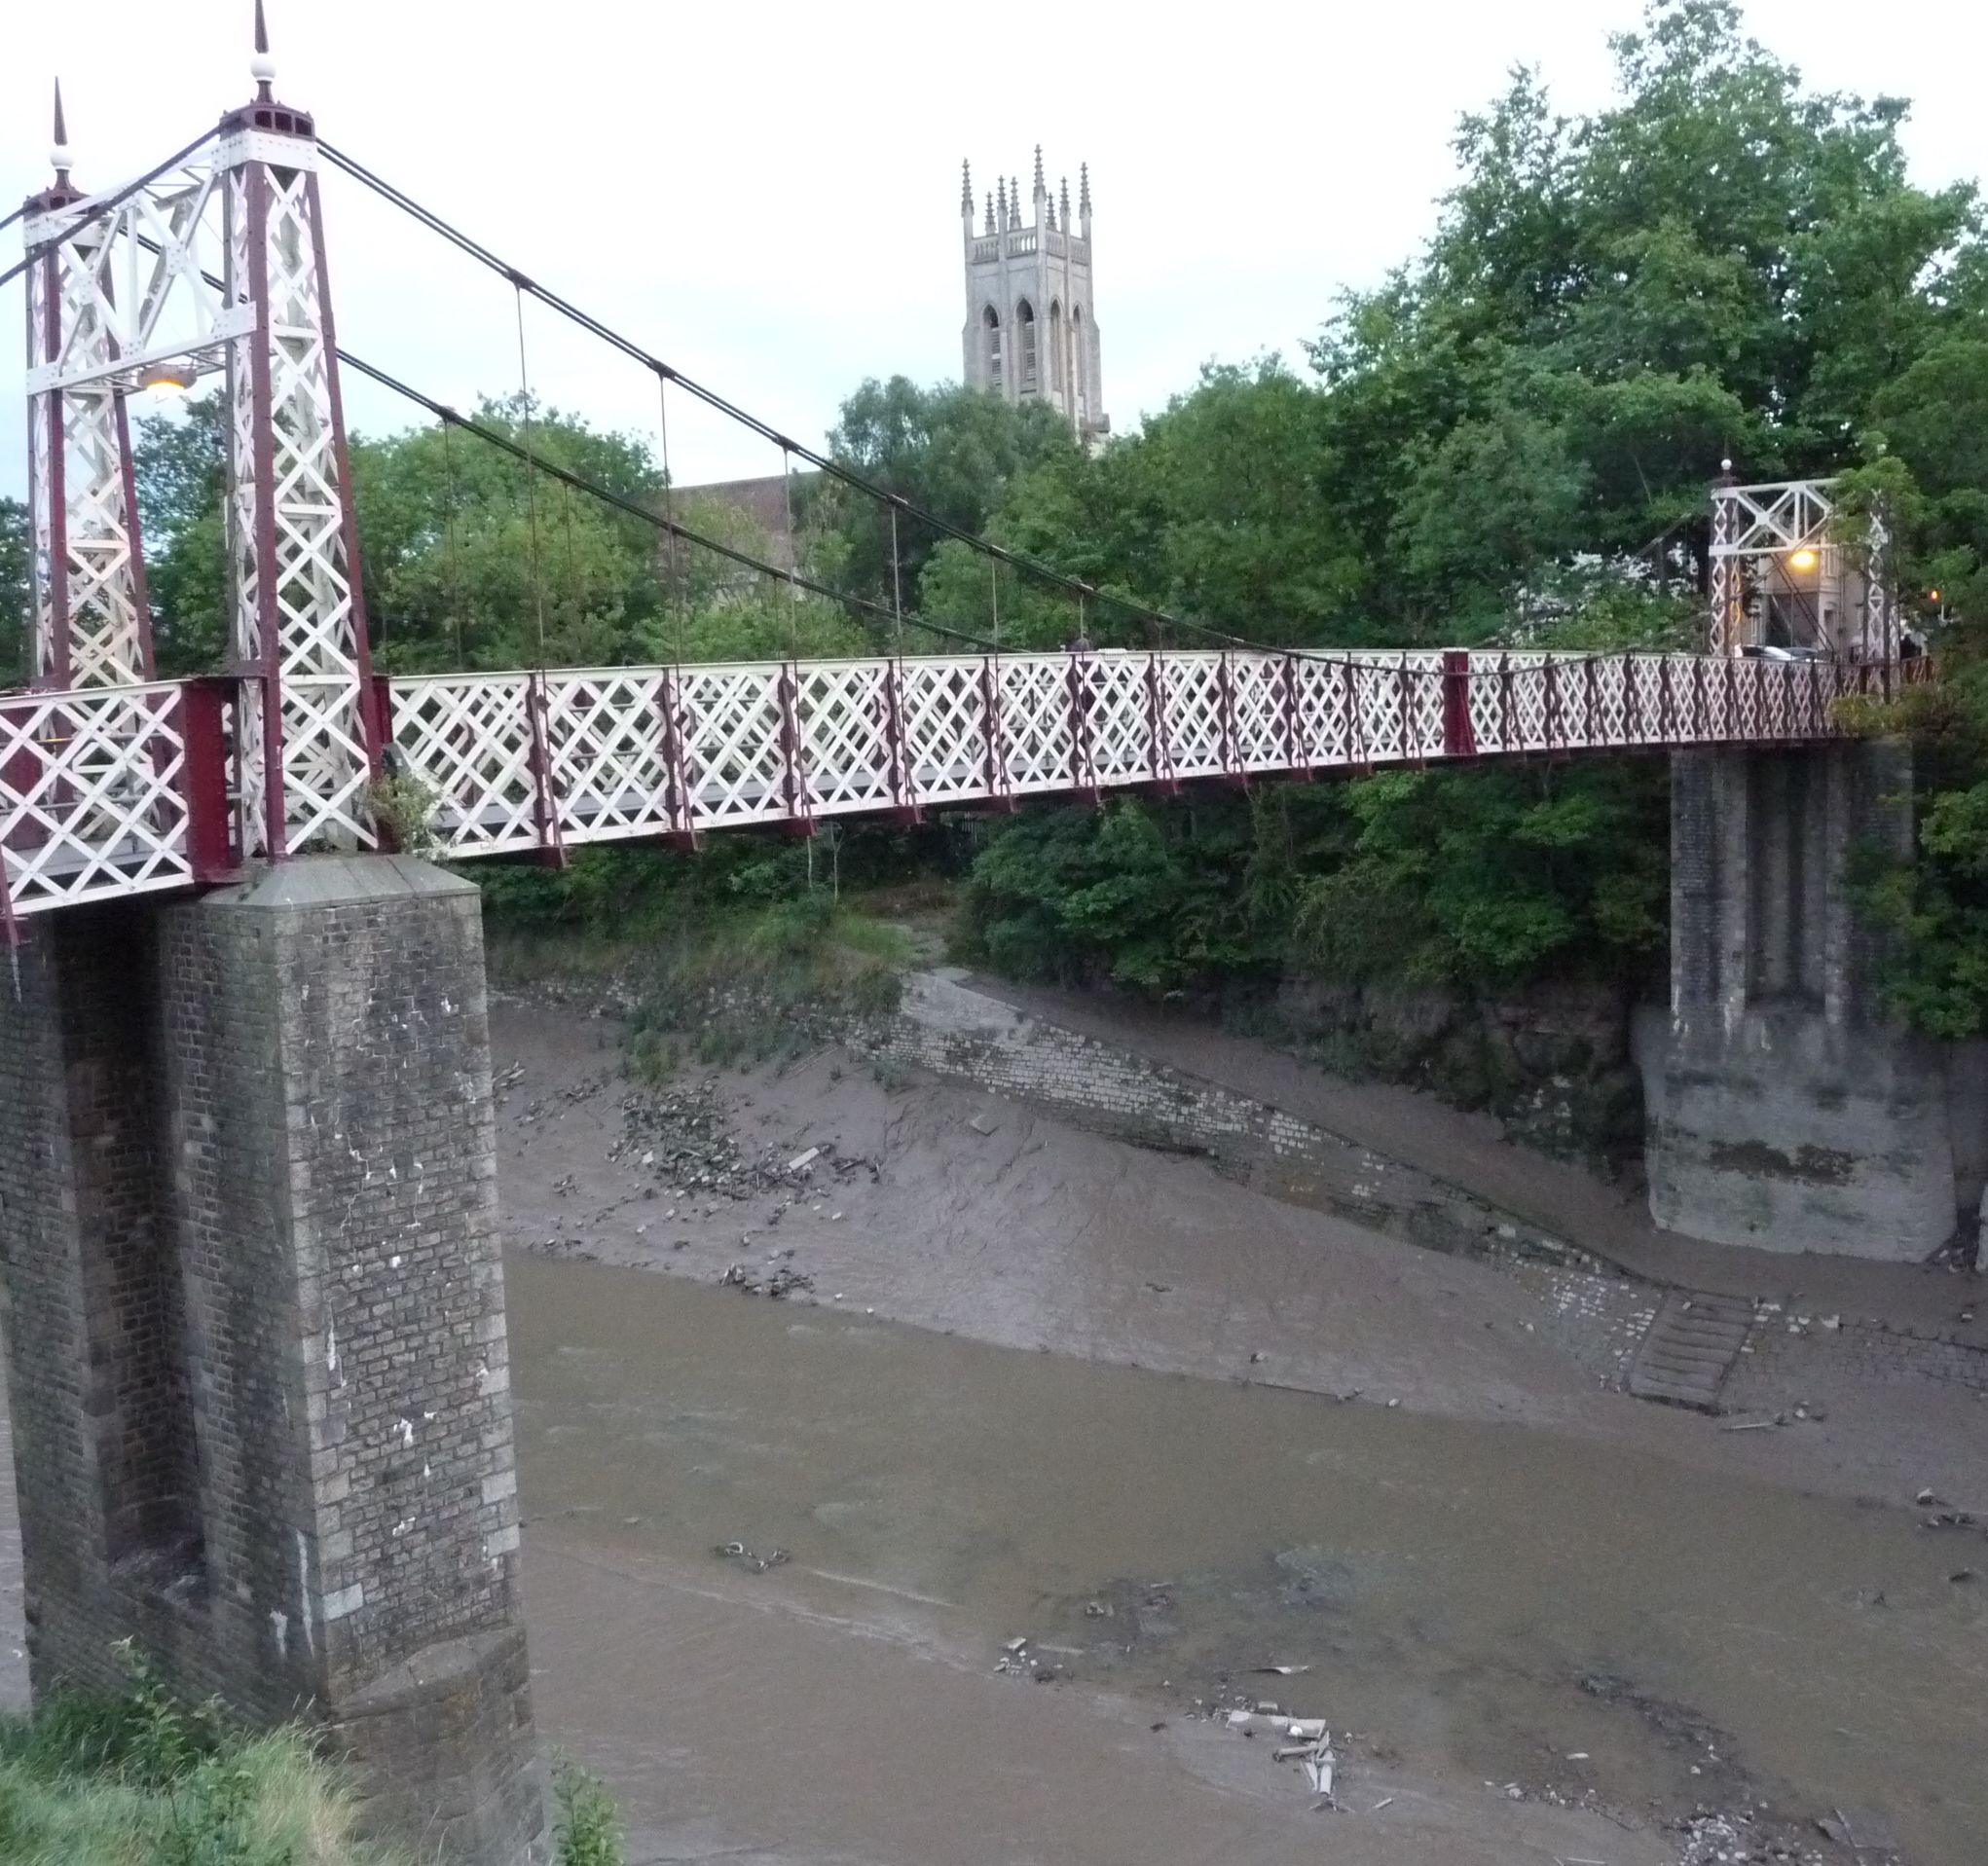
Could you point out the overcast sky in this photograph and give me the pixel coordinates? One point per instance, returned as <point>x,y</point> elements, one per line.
<point>767,194</point>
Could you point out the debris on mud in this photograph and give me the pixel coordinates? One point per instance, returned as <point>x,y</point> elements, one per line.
<point>778,1280</point>
<point>684,1135</point>
<point>745,1558</point>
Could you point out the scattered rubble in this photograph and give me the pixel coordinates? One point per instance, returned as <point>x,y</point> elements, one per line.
<point>779,1279</point>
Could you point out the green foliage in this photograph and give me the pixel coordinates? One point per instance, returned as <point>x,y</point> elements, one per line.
<point>141,1779</point>
<point>1485,877</point>
<point>13,593</point>
<point>1718,263</point>
<point>586,1826</point>
<point>404,807</point>
<point>1164,897</point>
<point>179,462</point>
<point>473,559</point>
<point>948,451</point>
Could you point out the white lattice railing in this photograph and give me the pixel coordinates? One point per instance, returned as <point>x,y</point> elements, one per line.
<point>92,799</point>
<point>523,760</point>
<point>114,792</point>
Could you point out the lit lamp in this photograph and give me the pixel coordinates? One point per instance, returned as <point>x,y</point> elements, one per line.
<point>1803,560</point>
<point>164,382</point>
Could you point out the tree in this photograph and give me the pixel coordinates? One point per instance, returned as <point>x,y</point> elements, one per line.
<point>179,466</point>
<point>949,450</point>
<point>1718,264</point>
<point>16,598</point>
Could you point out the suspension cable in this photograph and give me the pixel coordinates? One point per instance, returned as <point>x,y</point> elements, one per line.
<point>607,495</point>
<point>452,570</point>
<point>822,463</point>
<point>531,483</point>
<point>97,206</point>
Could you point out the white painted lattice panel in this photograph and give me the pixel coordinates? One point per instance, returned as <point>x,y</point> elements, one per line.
<point>468,737</point>
<point>845,719</point>
<point>606,735</point>
<point>90,805</point>
<point>1322,710</point>
<point>734,744</point>
<point>1036,722</point>
<point>1260,711</point>
<point>1117,717</point>
<point>946,729</point>
<point>1193,733</point>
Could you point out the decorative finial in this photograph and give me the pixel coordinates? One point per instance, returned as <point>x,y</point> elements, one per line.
<point>1040,189</point>
<point>1049,214</point>
<point>1015,201</point>
<point>990,213</point>
<point>1084,188</point>
<point>967,189</point>
<point>59,151</point>
<point>1001,201</point>
<point>262,67</point>
<point>1066,200</point>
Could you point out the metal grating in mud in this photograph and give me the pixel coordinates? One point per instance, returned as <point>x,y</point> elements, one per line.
<point>1691,1350</point>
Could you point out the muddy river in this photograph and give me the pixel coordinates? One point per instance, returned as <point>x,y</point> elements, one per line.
<point>1505,1614</point>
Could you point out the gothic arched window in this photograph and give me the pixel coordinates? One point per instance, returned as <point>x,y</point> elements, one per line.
<point>1083,362</point>
<point>1056,346</point>
<point>990,322</point>
<point>1025,318</point>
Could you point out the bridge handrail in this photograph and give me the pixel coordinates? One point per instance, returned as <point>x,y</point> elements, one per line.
<point>112,792</point>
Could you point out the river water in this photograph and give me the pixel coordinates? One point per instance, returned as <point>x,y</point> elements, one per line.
<point>1482,1603</point>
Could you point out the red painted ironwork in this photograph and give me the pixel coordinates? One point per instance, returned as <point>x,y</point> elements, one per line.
<point>1159,755</point>
<point>1460,735</point>
<point>800,814</point>
<point>1225,704</point>
<point>999,791</point>
<point>1083,760</point>
<point>213,842</point>
<point>903,797</point>
<point>544,788</point>
<point>1297,751</point>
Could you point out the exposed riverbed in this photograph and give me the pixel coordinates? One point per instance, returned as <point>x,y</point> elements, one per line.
<point>1599,1605</point>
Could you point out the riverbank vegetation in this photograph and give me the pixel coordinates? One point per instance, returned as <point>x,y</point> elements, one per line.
<point>1507,441</point>
<point>141,1779</point>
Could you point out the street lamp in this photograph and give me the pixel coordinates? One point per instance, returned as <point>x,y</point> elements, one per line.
<point>166,381</point>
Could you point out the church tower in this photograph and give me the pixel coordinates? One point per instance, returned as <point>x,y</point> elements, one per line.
<point>1031,332</point>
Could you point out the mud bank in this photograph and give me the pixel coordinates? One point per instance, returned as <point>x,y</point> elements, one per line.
<point>1593,1578</point>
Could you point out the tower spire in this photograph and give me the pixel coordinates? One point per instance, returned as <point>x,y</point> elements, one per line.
<point>1066,204</point>
<point>1084,188</point>
<point>1014,199</point>
<point>990,213</point>
<point>967,189</point>
<point>1001,204</point>
<point>262,67</point>
<point>1040,189</point>
<point>58,150</point>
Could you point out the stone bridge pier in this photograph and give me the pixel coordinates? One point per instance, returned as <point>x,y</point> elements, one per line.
<point>1785,1109</point>
<point>255,1322</point>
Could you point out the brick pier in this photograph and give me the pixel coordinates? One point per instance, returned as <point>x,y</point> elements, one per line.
<point>256,1325</point>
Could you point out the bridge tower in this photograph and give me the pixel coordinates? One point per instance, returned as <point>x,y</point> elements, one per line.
<point>254,1295</point>
<point>91,622</point>
<point>1031,331</point>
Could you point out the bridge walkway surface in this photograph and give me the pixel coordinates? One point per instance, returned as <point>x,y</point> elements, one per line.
<point>1469,1151</point>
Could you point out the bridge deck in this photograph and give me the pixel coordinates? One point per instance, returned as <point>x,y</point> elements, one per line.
<point>114,792</point>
